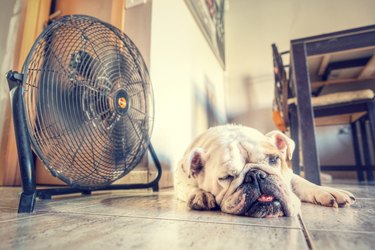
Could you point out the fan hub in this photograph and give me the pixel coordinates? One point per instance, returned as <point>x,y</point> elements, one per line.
<point>121,102</point>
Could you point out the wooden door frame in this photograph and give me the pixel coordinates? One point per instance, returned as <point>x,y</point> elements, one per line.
<point>34,15</point>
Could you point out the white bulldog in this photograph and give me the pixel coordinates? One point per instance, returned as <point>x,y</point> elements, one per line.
<point>243,172</point>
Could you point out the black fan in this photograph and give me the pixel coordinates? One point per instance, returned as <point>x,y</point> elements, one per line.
<point>84,101</point>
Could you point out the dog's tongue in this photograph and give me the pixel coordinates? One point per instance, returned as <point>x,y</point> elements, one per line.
<point>265,198</point>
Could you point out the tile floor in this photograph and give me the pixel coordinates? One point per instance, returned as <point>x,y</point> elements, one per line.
<point>141,219</point>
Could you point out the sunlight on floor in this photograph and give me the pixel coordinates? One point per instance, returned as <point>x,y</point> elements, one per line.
<point>145,220</point>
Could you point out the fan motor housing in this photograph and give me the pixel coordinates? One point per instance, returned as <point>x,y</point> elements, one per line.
<point>122,102</point>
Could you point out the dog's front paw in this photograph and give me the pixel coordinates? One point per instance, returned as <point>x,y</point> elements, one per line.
<point>332,197</point>
<point>201,200</point>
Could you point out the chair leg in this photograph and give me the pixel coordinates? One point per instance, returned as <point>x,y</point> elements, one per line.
<point>357,153</point>
<point>305,113</point>
<point>366,151</point>
<point>294,134</point>
<point>371,118</point>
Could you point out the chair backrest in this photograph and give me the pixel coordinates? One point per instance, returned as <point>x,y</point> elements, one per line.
<point>280,104</point>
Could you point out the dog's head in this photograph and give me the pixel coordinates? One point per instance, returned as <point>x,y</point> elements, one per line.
<point>246,171</point>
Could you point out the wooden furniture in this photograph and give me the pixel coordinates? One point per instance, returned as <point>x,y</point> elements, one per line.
<point>310,60</point>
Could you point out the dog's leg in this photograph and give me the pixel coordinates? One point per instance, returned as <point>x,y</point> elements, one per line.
<point>201,200</point>
<point>186,189</point>
<point>325,196</point>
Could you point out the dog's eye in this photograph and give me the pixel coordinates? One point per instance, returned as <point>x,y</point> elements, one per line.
<point>273,159</point>
<point>226,178</point>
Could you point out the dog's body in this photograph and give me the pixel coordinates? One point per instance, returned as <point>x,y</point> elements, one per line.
<point>245,172</point>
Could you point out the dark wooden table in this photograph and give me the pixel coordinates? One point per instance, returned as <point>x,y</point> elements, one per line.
<point>300,50</point>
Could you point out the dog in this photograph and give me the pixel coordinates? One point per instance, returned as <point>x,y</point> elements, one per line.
<point>241,171</point>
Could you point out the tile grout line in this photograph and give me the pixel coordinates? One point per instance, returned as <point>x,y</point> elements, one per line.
<point>306,234</point>
<point>343,231</point>
<point>177,219</point>
<point>24,217</point>
<point>10,207</point>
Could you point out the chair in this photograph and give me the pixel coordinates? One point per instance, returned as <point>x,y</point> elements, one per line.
<point>356,108</point>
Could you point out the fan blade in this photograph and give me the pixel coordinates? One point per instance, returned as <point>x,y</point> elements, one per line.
<point>85,65</point>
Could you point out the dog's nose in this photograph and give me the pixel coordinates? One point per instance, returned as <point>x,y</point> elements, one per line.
<point>254,176</point>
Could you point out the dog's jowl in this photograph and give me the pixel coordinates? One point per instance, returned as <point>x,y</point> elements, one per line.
<point>244,172</point>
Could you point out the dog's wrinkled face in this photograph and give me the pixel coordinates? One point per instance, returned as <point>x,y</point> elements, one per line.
<point>248,174</point>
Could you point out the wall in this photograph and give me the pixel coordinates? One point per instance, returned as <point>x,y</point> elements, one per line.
<point>252,26</point>
<point>10,19</point>
<point>181,63</point>
<point>138,28</point>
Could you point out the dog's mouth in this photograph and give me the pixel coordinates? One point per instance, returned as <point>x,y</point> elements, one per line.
<point>270,199</point>
<point>256,204</point>
<point>266,206</point>
<point>260,195</point>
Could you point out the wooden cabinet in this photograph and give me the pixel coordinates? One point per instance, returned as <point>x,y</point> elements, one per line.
<point>110,11</point>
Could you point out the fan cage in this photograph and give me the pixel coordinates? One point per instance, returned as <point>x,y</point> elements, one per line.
<point>71,78</point>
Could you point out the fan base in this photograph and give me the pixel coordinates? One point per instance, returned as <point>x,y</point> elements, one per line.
<point>27,199</point>
<point>27,203</point>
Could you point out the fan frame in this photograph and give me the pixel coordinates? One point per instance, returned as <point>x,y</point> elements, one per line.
<point>56,24</point>
<point>27,152</point>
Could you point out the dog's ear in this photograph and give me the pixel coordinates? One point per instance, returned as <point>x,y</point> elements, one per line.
<point>283,143</point>
<point>196,162</point>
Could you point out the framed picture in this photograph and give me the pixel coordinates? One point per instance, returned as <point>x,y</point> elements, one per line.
<point>209,14</point>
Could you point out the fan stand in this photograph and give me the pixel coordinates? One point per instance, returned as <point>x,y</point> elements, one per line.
<point>26,158</point>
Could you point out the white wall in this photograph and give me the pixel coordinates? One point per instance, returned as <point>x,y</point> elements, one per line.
<point>9,20</point>
<point>181,60</point>
<point>253,25</point>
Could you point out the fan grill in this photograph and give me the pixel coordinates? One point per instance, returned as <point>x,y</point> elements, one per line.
<point>88,101</point>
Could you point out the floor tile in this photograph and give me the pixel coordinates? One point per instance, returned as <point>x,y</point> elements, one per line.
<point>165,205</point>
<point>140,203</point>
<point>9,197</point>
<point>359,191</point>
<point>62,203</point>
<point>147,220</point>
<point>342,240</point>
<point>358,217</point>
<point>72,231</point>
<point>9,192</point>
<point>7,214</point>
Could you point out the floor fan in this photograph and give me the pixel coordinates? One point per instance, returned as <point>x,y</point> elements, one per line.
<point>83,104</point>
